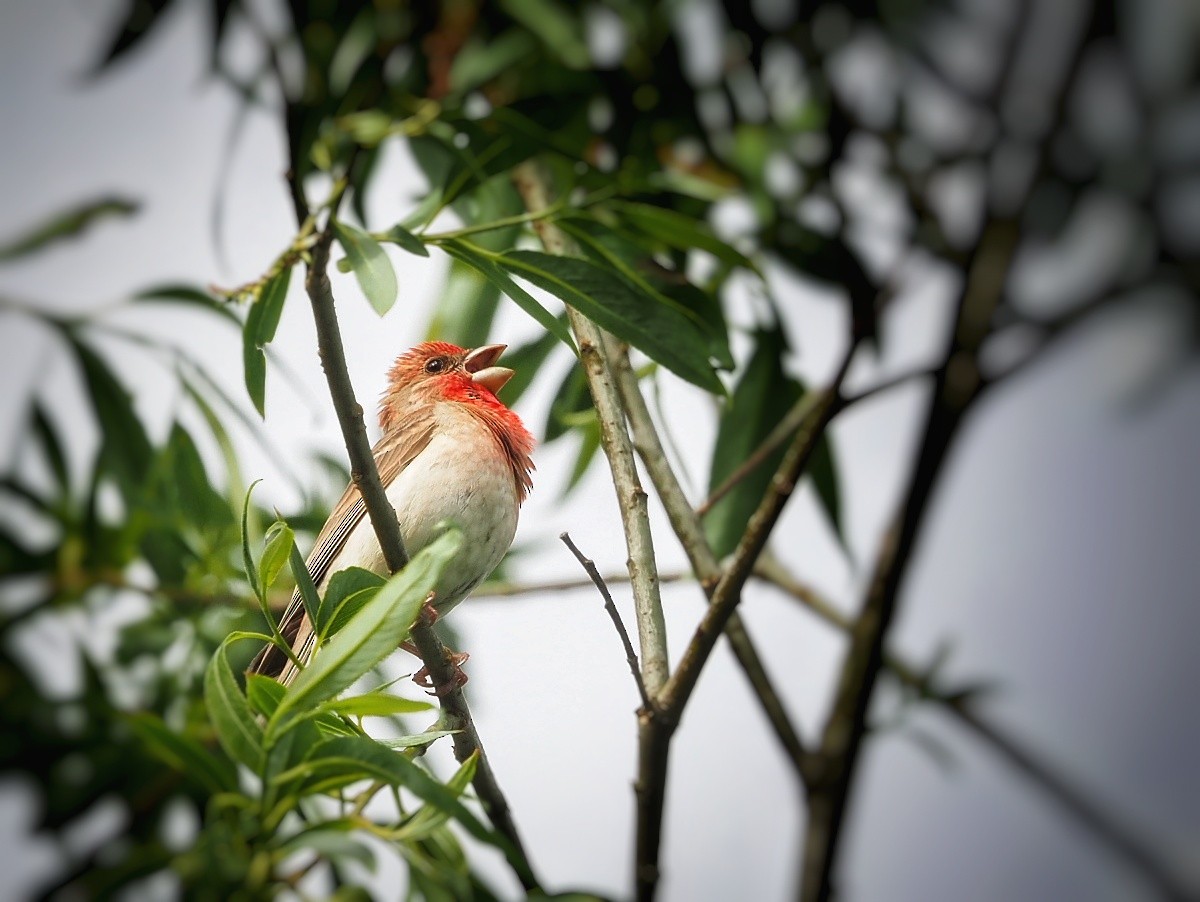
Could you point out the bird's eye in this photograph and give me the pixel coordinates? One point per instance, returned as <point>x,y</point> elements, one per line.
<point>436,365</point>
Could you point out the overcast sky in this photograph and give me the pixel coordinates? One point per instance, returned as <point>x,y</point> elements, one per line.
<point>1059,560</point>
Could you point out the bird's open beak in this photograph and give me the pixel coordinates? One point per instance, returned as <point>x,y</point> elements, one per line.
<point>479,364</point>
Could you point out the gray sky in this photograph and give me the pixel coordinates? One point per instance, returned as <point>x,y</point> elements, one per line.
<point>1059,560</point>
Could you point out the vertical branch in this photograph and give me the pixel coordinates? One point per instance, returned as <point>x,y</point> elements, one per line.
<point>596,355</point>
<point>383,519</point>
<point>686,523</point>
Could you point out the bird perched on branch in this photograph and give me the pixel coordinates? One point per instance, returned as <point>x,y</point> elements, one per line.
<point>450,452</point>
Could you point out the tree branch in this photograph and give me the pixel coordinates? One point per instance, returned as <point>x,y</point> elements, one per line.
<point>686,523</point>
<point>630,655</point>
<point>596,355</point>
<point>383,519</point>
<point>819,407</point>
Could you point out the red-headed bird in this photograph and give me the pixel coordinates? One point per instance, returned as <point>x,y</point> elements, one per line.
<point>450,452</point>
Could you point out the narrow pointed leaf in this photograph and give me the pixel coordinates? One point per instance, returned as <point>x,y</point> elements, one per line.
<point>487,266</point>
<point>261,324</point>
<point>67,224</point>
<point>375,704</point>
<point>659,330</point>
<point>372,634</point>
<point>403,238</point>
<point>184,754</point>
<point>237,729</point>
<point>280,543</point>
<point>371,265</point>
<point>680,231</point>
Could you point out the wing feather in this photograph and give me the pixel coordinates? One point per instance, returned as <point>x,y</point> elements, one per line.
<point>392,453</point>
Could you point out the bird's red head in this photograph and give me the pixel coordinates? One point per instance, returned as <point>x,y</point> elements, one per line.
<point>439,371</point>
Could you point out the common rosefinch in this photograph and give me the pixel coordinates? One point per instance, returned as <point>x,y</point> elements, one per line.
<point>451,452</point>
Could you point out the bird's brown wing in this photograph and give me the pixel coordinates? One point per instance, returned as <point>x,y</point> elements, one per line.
<point>392,454</point>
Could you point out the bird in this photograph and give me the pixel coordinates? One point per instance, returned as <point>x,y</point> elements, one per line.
<point>450,452</point>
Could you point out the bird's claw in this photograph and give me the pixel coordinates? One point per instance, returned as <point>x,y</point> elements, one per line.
<point>429,614</point>
<point>423,678</point>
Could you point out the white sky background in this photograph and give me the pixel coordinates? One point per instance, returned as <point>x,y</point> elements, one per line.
<point>1059,559</point>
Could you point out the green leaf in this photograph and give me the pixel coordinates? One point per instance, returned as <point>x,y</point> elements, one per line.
<point>761,398</point>
<point>67,225</point>
<point>125,448</point>
<point>403,238</point>
<point>248,559</point>
<point>335,609</point>
<point>375,704</point>
<point>480,61</point>
<point>571,399</point>
<point>186,294</point>
<point>348,759</point>
<point>526,361</point>
<point>371,635</point>
<point>485,264</point>
<point>416,740</point>
<point>280,541</point>
<point>635,263</point>
<point>237,729</point>
<point>556,25</point>
<point>679,231</point>
<point>304,584</point>
<point>430,817</point>
<point>331,840</point>
<point>371,265</point>
<point>466,308</point>
<point>52,449</point>
<point>822,469</point>
<point>589,444</point>
<point>263,693</point>
<point>259,330</point>
<point>184,754</point>
<point>660,331</point>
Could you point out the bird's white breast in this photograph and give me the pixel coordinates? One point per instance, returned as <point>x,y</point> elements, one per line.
<point>460,478</point>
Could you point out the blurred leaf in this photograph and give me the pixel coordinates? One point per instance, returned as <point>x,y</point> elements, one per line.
<point>69,224</point>
<point>480,61</point>
<point>334,842</point>
<point>280,543</point>
<point>485,263</point>
<point>680,231</point>
<point>589,444</point>
<point>761,398</point>
<point>372,634</point>
<point>526,361</point>
<point>571,399</point>
<point>375,704</point>
<point>125,448</point>
<point>822,469</point>
<point>184,754</point>
<point>141,17</point>
<point>430,817</point>
<point>465,309</point>
<point>259,330</point>
<point>371,266</point>
<point>660,331</point>
<point>336,607</point>
<point>403,238</point>
<point>237,729</point>
<point>52,448</point>
<point>556,25</point>
<point>186,294</point>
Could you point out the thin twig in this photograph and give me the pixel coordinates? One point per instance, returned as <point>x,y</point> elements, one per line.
<point>387,528</point>
<point>510,590</point>
<point>630,655</point>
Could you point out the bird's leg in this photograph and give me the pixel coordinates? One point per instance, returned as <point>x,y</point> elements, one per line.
<point>429,616</point>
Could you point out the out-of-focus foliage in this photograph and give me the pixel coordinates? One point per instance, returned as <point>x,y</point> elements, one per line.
<point>682,177</point>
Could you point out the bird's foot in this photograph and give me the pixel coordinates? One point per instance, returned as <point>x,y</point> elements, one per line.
<point>423,678</point>
<point>429,614</point>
